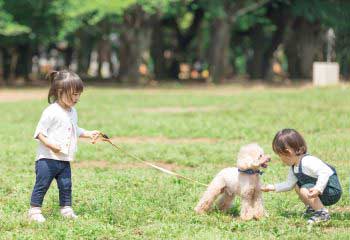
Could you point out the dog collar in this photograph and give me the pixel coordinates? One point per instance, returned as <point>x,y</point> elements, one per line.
<point>251,171</point>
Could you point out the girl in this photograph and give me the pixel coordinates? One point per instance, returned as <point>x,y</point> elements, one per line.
<point>57,132</point>
<point>315,181</point>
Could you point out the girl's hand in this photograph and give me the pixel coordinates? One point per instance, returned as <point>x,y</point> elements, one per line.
<point>94,135</point>
<point>46,142</point>
<point>54,148</point>
<point>267,188</point>
<point>313,192</point>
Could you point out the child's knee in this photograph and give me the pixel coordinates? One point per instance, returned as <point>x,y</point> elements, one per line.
<point>65,184</point>
<point>304,191</point>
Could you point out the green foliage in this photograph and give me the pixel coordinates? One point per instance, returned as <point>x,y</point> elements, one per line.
<point>43,18</point>
<point>8,27</point>
<point>154,6</point>
<point>326,12</point>
<point>118,200</point>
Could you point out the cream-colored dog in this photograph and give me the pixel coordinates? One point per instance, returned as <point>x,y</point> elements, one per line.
<point>244,181</point>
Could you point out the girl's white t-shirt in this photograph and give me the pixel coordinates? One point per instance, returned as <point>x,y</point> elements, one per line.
<point>60,126</point>
<point>311,166</point>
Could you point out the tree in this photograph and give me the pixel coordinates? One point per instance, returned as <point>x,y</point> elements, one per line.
<point>136,34</point>
<point>8,28</point>
<point>173,36</point>
<point>223,15</point>
<point>305,41</point>
<point>40,21</point>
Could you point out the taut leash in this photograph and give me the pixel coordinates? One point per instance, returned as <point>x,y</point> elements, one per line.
<point>107,139</point>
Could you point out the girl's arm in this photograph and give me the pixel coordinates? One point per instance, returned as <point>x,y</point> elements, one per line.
<point>283,186</point>
<point>318,169</point>
<point>42,138</point>
<point>90,134</point>
<point>288,184</point>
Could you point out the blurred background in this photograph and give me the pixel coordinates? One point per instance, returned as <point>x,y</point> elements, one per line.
<point>153,41</point>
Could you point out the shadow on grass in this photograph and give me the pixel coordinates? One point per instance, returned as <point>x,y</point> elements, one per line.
<point>334,215</point>
<point>233,211</point>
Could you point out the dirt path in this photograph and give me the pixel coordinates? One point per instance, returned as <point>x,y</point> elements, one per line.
<point>178,109</point>
<point>19,95</point>
<point>12,95</point>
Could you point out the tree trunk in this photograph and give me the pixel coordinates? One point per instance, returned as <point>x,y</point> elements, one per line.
<point>135,42</point>
<point>24,63</point>
<point>84,49</point>
<point>264,46</point>
<point>6,65</point>
<point>255,62</point>
<point>304,46</point>
<point>219,49</point>
<point>68,55</point>
<point>219,67</point>
<point>157,51</point>
<point>13,64</point>
<point>2,81</point>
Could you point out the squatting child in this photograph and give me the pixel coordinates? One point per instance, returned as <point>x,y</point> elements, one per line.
<point>315,182</point>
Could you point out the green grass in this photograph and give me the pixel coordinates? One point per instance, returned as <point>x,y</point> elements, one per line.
<point>142,203</point>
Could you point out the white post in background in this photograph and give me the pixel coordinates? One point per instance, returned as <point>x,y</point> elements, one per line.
<point>327,73</point>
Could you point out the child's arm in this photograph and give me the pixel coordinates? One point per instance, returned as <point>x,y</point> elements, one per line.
<point>93,135</point>
<point>46,142</point>
<point>283,186</point>
<point>317,168</point>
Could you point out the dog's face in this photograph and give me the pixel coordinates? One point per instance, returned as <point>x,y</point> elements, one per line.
<point>252,156</point>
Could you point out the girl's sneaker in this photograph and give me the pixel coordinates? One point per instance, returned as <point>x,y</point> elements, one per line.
<point>68,212</point>
<point>35,215</point>
<point>319,216</point>
<point>309,210</point>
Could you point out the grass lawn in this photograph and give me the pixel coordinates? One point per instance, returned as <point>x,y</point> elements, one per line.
<point>195,132</point>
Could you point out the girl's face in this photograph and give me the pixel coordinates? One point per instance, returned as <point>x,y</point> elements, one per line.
<point>68,101</point>
<point>290,158</point>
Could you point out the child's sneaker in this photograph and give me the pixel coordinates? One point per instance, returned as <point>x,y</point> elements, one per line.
<point>68,212</point>
<point>319,216</point>
<point>35,215</point>
<point>309,210</point>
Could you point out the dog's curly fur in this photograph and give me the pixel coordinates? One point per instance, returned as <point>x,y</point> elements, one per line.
<point>230,182</point>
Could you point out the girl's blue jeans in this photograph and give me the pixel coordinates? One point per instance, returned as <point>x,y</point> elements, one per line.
<point>46,170</point>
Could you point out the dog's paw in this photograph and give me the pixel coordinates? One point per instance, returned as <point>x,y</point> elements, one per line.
<point>199,210</point>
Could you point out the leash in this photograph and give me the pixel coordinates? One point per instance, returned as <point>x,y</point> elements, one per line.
<point>107,139</point>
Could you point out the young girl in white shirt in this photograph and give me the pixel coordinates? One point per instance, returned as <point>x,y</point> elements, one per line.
<point>315,182</point>
<point>57,133</point>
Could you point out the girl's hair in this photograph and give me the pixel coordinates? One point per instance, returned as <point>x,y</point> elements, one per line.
<point>64,81</point>
<point>289,138</point>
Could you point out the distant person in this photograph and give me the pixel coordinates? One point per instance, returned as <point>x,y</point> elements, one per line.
<point>315,181</point>
<point>57,133</point>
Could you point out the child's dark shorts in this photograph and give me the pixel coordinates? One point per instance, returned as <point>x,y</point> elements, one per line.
<point>330,194</point>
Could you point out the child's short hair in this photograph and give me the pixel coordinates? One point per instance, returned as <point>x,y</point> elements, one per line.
<point>64,81</point>
<point>289,138</point>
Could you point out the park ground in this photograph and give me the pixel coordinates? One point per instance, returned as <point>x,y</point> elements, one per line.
<point>195,131</point>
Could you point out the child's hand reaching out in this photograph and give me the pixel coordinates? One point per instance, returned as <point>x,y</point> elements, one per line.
<point>268,188</point>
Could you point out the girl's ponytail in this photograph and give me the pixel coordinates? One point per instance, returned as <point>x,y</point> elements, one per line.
<point>51,77</point>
